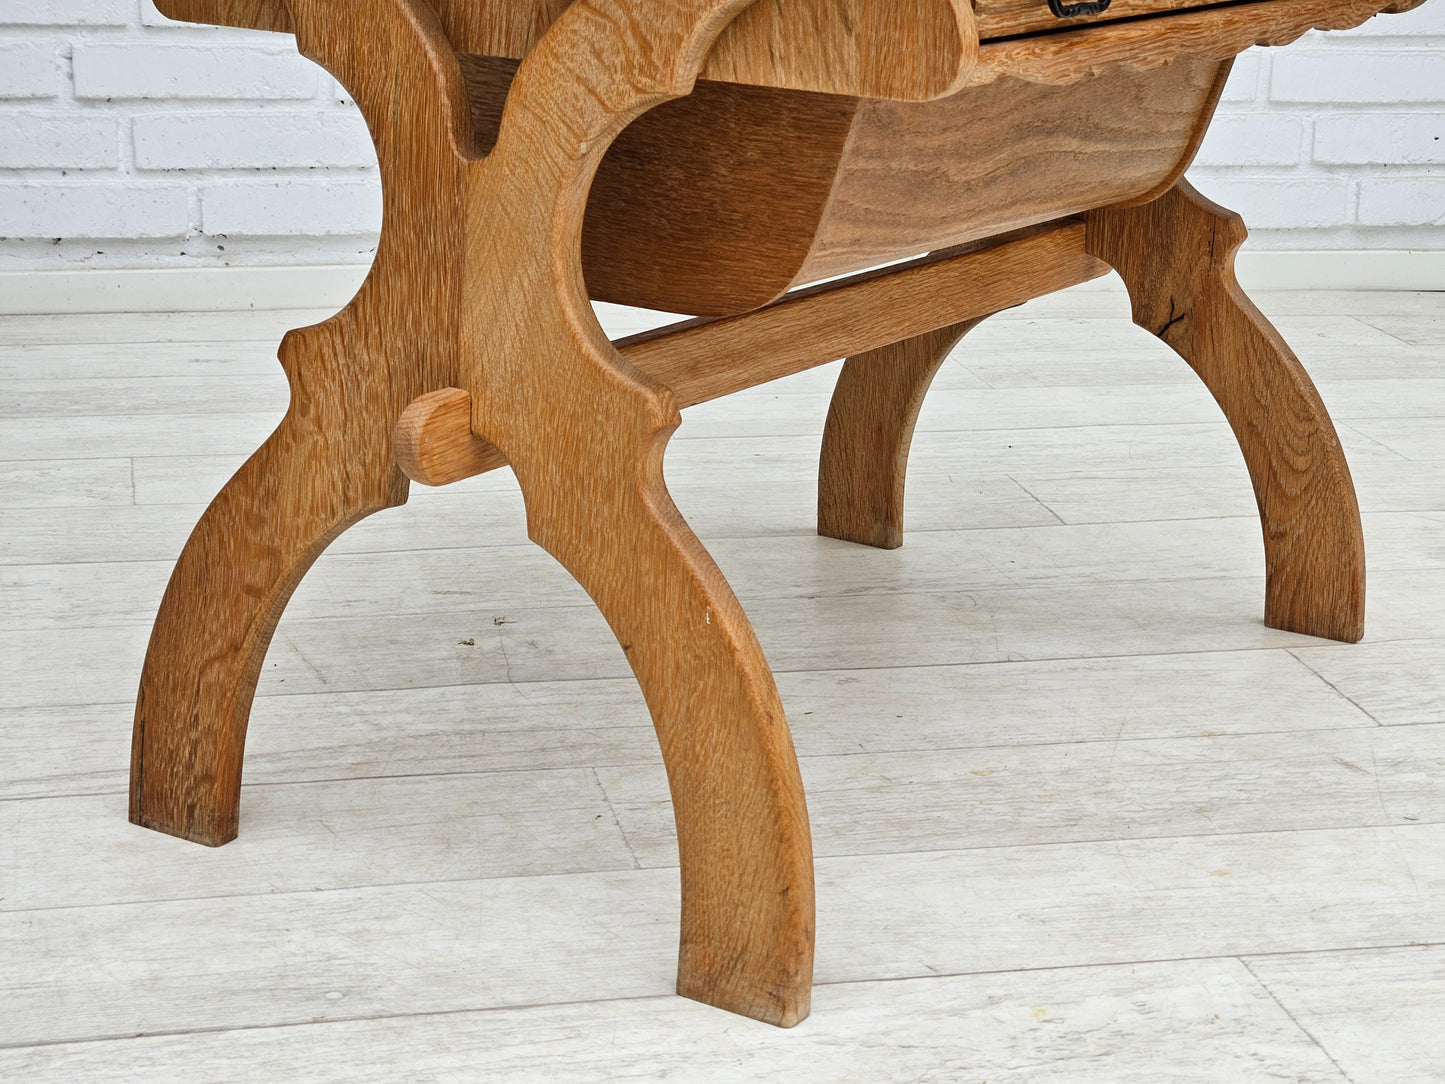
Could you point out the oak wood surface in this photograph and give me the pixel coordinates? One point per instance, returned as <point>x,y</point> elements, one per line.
<point>435,444</point>
<point>473,344</point>
<point>864,463</point>
<point>1010,18</point>
<point>540,375</point>
<point>673,215</point>
<point>916,51</point>
<point>330,462</point>
<point>713,204</point>
<point>1010,154</point>
<point>1212,33</point>
<point>246,956</point>
<point>707,359</point>
<point>912,49</point>
<point>585,436</point>
<point>1176,255</point>
<point>719,202</point>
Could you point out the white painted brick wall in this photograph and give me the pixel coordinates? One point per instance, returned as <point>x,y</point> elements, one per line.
<point>127,140</point>
<point>28,69</point>
<point>1338,141</point>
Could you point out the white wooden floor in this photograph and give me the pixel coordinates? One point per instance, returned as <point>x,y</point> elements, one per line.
<point>1079,815</point>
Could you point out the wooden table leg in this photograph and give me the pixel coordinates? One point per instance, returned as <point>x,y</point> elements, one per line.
<point>864,463</point>
<point>331,462</point>
<point>585,434</point>
<point>477,288</point>
<point>1176,255</point>
<point>328,465</point>
<point>599,505</point>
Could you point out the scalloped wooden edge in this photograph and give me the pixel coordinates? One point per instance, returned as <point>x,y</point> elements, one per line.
<point>928,53</point>
<point>1144,44</point>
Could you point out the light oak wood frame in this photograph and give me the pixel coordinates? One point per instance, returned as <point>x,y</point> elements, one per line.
<point>472,346</point>
<point>477,285</point>
<point>1176,255</point>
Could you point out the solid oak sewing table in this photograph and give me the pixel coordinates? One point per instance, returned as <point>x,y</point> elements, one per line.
<point>710,157</point>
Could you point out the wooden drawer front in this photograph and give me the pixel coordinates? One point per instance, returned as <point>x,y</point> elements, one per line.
<point>1010,18</point>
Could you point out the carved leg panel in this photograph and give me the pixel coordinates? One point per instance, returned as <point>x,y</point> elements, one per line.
<point>322,470</point>
<point>742,826</point>
<point>1176,255</point>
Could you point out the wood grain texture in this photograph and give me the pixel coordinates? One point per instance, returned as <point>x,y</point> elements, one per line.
<point>718,203</point>
<point>706,359</point>
<point>1214,33</point>
<point>585,434</point>
<point>419,973</point>
<point>698,361</point>
<point>435,444</point>
<point>786,563</point>
<point>559,724</point>
<point>1134,1024</point>
<point>672,218</point>
<point>271,15</point>
<point>473,344</point>
<point>540,376</point>
<point>711,205</point>
<point>331,461</point>
<point>911,49</point>
<point>1011,18</point>
<point>1176,255</point>
<point>864,463</point>
<point>1044,906</point>
<point>995,158</point>
<point>721,201</point>
<point>1374,1012</point>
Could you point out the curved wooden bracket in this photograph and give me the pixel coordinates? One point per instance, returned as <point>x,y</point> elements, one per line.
<point>585,434</point>
<point>1176,255</point>
<point>350,41</point>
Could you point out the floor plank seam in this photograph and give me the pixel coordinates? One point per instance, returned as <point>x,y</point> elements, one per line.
<point>1241,826</point>
<point>1061,521</point>
<point>1294,654</point>
<point>616,820</point>
<point>547,1005</point>
<point>779,669</point>
<point>1295,1020</point>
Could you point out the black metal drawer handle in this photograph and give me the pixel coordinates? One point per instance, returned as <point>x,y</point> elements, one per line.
<point>1070,11</point>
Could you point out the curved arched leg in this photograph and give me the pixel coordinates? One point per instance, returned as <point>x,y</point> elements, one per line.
<point>331,461</point>
<point>585,435</point>
<point>327,465</point>
<point>597,502</point>
<point>863,467</point>
<point>1176,255</point>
